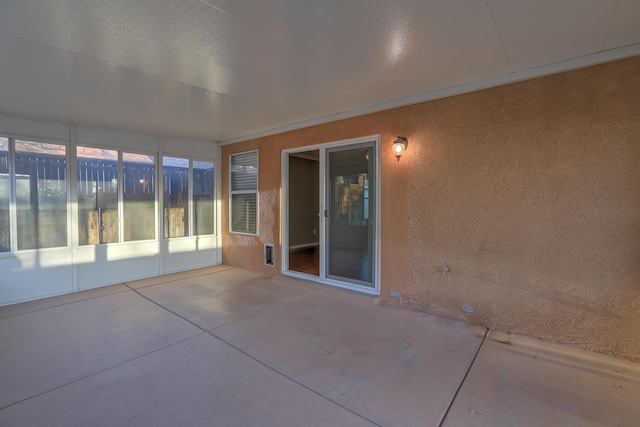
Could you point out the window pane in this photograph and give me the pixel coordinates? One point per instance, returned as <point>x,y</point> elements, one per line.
<point>139,218</point>
<point>244,171</point>
<point>175,177</point>
<point>244,210</point>
<point>203,197</point>
<point>41,195</point>
<point>244,188</point>
<point>5,241</point>
<point>97,196</point>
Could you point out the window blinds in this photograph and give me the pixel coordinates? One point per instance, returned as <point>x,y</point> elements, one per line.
<point>244,192</point>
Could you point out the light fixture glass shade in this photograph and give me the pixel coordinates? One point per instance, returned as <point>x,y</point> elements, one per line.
<point>399,146</point>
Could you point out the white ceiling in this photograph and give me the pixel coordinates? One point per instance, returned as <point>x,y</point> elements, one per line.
<point>223,70</point>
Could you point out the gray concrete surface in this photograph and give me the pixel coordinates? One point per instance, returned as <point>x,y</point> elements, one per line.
<point>227,347</point>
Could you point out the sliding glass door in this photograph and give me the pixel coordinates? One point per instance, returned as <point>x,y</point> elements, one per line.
<point>332,212</point>
<point>350,215</point>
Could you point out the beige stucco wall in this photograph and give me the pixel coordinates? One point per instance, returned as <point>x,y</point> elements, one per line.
<point>529,192</point>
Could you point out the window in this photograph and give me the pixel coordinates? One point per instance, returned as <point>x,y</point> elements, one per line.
<point>177,187</point>
<point>116,196</point>
<point>244,192</point>
<point>97,196</point>
<point>138,198</point>
<point>100,186</point>
<point>203,197</point>
<point>41,195</point>
<point>5,241</point>
<point>175,176</point>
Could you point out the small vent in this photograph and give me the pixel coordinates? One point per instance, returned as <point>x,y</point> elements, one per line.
<point>268,254</point>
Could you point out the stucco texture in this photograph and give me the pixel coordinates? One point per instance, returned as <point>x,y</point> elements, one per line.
<point>529,193</point>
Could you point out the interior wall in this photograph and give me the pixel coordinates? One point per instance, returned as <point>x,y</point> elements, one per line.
<point>303,201</point>
<point>519,202</point>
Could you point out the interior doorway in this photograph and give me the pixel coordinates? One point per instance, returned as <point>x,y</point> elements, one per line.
<point>304,212</point>
<point>330,213</point>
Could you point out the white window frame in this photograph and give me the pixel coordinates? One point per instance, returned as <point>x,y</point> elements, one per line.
<point>192,206</point>
<point>189,196</point>
<point>121,188</point>
<point>232,193</point>
<point>13,214</point>
<point>191,203</point>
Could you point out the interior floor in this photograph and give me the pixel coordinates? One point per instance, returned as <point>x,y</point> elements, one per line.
<point>305,260</point>
<point>228,347</point>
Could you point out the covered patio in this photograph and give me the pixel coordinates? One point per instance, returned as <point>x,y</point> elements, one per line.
<point>228,347</point>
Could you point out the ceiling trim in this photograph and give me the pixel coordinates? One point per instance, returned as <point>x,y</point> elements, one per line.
<point>531,73</point>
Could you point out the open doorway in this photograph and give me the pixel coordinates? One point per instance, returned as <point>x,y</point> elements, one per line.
<point>304,212</point>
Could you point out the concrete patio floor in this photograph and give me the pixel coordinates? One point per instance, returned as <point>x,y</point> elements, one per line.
<point>226,347</point>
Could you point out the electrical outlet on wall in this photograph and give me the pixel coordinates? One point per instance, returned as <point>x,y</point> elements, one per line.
<point>468,309</point>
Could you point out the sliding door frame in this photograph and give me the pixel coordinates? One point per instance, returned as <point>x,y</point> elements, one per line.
<point>284,214</point>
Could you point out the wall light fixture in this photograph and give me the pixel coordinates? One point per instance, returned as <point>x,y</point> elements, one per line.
<point>400,146</point>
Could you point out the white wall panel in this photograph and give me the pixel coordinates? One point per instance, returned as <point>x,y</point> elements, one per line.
<point>189,252</point>
<point>193,148</point>
<point>116,139</point>
<point>108,264</point>
<point>37,274</point>
<point>27,128</point>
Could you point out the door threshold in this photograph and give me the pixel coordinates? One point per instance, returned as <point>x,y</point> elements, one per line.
<point>331,282</point>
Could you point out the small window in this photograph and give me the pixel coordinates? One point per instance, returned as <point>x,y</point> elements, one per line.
<point>175,174</point>
<point>138,197</point>
<point>41,195</point>
<point>244,192</point>
<point>182,177</point>
<point>97,196</point>
<point>203,197</point>
<point>5,241</point>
